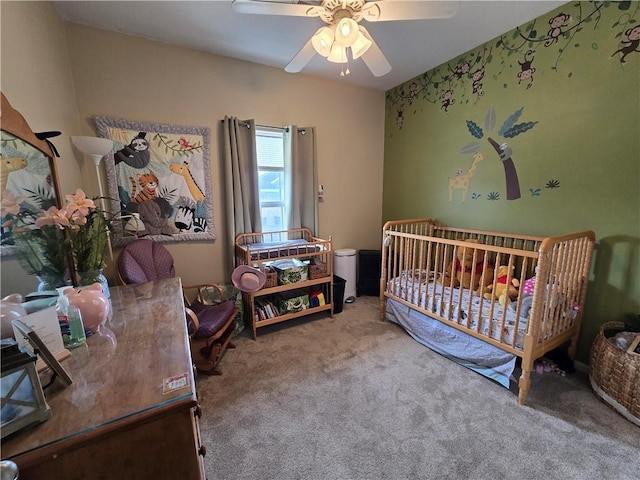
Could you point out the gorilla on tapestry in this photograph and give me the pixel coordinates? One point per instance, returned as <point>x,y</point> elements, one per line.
<point>159,179</point>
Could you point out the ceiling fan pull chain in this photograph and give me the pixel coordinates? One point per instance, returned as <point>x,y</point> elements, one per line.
<point>343,71</point>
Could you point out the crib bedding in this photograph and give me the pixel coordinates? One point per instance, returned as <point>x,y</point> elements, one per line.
<point>471,311</point>
<point>468,351</point>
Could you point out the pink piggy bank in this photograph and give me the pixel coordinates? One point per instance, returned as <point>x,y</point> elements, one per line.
<point>10,309</point>
<point>93,304</point>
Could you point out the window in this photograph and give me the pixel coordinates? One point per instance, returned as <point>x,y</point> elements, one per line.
<point>270,151</point>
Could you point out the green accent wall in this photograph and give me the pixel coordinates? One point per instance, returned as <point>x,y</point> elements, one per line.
<point>566,101</point>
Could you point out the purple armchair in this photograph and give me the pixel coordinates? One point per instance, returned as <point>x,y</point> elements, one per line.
<point>210,325</point>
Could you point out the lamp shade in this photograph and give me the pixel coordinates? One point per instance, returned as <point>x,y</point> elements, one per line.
<point>346,32</point>
<point>360,46</point>
<point>338,54</point>
<point>322,41</point>
<point>95,147</point>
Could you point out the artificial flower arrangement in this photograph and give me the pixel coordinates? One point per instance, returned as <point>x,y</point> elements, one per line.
<point>49,239</point>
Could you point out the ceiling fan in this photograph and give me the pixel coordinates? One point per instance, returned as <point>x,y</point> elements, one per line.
<point>343,36</point>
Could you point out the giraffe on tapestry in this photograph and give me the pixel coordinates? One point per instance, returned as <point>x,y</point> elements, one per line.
<point>462,181</point>
<point>182,169</point>
<point>8,165</point>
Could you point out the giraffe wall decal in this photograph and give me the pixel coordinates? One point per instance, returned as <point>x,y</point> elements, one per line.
<point>462,181</point>
<point>182,169</point>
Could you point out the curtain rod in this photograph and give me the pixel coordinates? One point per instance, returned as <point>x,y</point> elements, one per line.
<point>286,129</point>
<point>302,131</point>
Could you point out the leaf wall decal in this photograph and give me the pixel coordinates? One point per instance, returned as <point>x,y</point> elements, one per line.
<point>510,122</point>
<point>490,119</point>
<point>518,129</point>
<point>470,148</point>
<point>474,129</point>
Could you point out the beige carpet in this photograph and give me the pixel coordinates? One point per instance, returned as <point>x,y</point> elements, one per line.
<point>355,398</point>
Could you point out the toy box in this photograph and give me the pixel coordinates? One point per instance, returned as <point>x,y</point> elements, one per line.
<point>290,270</point>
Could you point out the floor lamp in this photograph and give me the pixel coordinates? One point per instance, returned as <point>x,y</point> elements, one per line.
<point>96,148</point>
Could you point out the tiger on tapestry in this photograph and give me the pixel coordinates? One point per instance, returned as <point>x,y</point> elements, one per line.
<point>149,188</point>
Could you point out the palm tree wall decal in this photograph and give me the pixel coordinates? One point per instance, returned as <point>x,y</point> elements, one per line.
<point>509,129</point>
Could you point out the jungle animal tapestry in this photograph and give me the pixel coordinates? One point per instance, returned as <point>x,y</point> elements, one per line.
<point>159,178</point>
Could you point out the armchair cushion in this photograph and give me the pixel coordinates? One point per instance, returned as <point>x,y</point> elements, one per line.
<point>211,296</point>
<point>145,260</point>
<point>212,318</point>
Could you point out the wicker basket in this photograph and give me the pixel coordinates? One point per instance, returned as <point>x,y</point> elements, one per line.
<point>272,278</point>
<point>318,270</point>
<point>615,374</point>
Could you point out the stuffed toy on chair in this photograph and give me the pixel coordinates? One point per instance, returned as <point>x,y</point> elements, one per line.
<point>465,274</point>
<point>503,292</point>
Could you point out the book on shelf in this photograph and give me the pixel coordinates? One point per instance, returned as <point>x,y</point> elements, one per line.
<point>265,309</point>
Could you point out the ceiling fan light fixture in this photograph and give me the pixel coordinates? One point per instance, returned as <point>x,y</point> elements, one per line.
<point>346,32</point>
<point>338,54</point>
<point>360,46</point>
<point>322,41</point>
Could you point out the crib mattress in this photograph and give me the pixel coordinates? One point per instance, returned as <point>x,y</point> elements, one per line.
<point>460,306</point>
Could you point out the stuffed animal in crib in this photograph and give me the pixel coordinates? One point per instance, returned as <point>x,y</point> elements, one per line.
<point>526,296</point>
<point>503,292</point>
<point>465,275</point>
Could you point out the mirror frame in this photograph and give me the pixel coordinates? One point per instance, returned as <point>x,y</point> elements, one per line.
<point>22,137</point>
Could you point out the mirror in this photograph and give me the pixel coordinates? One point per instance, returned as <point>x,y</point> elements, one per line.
<point>27,170</point>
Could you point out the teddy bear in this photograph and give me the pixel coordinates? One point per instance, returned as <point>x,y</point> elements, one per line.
<point>463,268</point>
<point>503,292</point>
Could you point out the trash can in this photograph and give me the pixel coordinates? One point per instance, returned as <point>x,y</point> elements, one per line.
<point>338,293</point>
<point>345,266</point>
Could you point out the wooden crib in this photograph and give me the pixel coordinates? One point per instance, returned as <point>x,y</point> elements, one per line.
<point>417,262</point>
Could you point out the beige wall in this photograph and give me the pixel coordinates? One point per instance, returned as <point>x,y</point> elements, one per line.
<point>36,78</point>
<point>141,80</point>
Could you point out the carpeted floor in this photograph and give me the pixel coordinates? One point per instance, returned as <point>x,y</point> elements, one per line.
<point>355,398</point>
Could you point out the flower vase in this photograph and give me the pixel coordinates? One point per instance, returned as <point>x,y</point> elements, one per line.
<point>93,276</point>
<point>49,282</point>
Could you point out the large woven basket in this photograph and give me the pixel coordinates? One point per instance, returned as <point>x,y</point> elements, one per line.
<point>615,374</point>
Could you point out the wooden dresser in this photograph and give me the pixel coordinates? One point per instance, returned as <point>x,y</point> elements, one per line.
<point>131,411</point>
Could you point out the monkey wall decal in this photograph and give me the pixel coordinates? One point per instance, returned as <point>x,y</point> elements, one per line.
<point>447,100</point>
<point>477,84</point>
<point>526,70</point>
<point>631,44</point>
<point>462,69</point>
<point>555,31</point>
<point>400,118</point>
<point>413,92</point>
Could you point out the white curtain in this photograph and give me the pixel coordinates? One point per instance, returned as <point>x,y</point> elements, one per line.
<point>241,181</point>
<point>301,177</point>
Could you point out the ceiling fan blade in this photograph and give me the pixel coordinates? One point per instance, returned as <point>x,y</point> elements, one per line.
<point>374,58</point>
<point>391,10</point>
<point>276,8</point>
<point>304,55</point>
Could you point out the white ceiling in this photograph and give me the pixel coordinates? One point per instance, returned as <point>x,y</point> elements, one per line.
<point>411,47</point>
